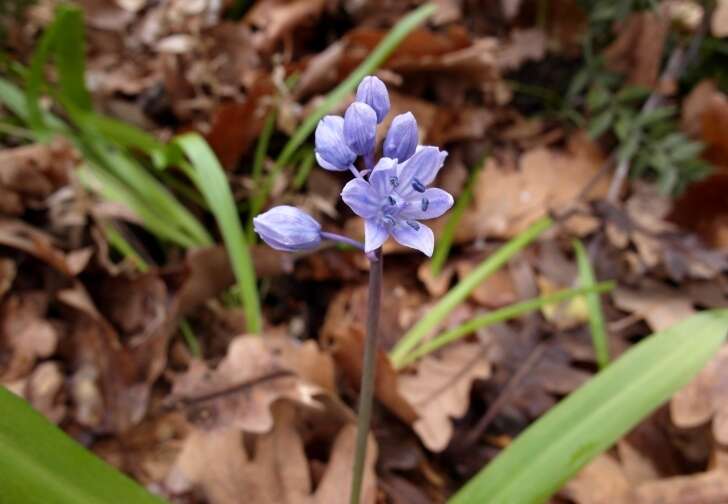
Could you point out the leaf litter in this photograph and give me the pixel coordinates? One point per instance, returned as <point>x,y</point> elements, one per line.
<point>95,345</point>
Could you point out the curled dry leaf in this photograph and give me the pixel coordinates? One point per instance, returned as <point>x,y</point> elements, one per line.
<point>256,373</point>
<point>438,388</point>
<point>276,469</point>
<point>705,398</point>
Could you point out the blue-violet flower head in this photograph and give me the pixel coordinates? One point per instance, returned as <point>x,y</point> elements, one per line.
<point>332,152</point>
<point>401,140</point>
<point>288,229</point>
<point>360,128</point>
<point>396,198</point>
<point>373,92</point>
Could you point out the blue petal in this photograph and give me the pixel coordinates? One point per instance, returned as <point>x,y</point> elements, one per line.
<point>373,92</point>
<point>381,176</point>
<point>375,234</point>
<point>287,228</point>
<point>420,238</point>
<point>332,152</point>
<point>401,140</point>
<point>360,128</point>
<point>361,198</point>
<point>419,170</point>
<point>428,205</point>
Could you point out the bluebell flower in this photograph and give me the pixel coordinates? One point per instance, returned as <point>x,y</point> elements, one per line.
<point>360,128</point>
<point>401,140</point>
<point>396,198</point>
<point>373,92</point>
<point>288,229</point>
<point>331,150</point>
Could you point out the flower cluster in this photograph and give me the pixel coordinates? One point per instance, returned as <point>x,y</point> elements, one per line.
<point>391,195</point>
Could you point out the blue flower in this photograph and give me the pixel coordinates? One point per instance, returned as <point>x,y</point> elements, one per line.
<point>396,198</point>
<point>288,229</point>
<point>331,150</point>
<point>360,128</point>
<point>373,92</point>
<point>401,140</point>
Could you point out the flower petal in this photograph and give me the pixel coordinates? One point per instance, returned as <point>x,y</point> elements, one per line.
<point>373,92</point>
<point>381,176</point>
<point>420,169</point>
<point>420,238</point>
<point>401,140</point>
<point>332,152</point>
<point>287,228</point>
<point>430,204</point>
<point>360,128</point>
<point>361,198</point>
<point>375,234</point>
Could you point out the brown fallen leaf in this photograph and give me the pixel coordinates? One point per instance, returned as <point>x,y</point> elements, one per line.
<point>256,373</point>
<point>705,398</point>
<point>703,488</point>
<point>44,390</point>
<point>719,21</point>
<point>275,470</point>
<point>438,388</point>
<point>660,306</point>
<point>602,481</point>
<point>272,20</point>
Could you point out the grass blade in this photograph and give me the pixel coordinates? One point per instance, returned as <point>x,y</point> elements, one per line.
<point>594,306</point>
<point>40,464</point>
<point>498,316</point>
<point>444,242</point>
<point>206,172</point>
<point>369,65</point>
<point>461,291</point>
<point>591,419</point>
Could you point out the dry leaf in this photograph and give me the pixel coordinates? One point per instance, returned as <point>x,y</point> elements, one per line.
<point>275,471</point>
<point>661,307</point>
<point>438,388</point>
<point>602,481</point>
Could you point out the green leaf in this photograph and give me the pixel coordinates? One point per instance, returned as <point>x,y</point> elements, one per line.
<point>594,305</point>
<point>40,464</point>
<point>601,123</point>
<point>498,316</point>
<point>595,416</point>
<point>206,172</point>
<point>457,295</point>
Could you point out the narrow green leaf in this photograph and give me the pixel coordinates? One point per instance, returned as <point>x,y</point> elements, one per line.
<point>206,172</point>
<point>40,464</point>
<point>461,291</point>
<point>595,416</point>
<point>121,245</point>
<point>497,317</point>
<point>594,305</point>
<point>369,65</point>
<point>447,235</point>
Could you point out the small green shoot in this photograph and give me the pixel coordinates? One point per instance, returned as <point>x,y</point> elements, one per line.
<point>207,174</point>
<point>193,344</point>
<point>496,317</point>
<point>457,295</point>
<point>121,245</point>
<point>594,306</point>
<point>596,415</point>
<point>40,464</point>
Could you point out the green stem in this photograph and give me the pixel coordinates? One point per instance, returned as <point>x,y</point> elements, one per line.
<point>369,368</point>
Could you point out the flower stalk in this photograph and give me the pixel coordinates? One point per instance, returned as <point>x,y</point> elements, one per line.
<point>368,375</point>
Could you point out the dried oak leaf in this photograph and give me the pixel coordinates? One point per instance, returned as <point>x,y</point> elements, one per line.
<point>273,20</point>
<point>43,389</point>
<point>273,470</point>
<point>438,388</point>
<point>602,481</point>
<point>660,306</point>
<point>705,398</point>
<point>255,373</point>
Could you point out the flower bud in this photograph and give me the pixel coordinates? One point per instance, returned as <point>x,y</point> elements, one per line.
<point>401,140</point>
<point>373,92</point>
<point>331,150</point>
<point>288,229</point>
<point>360,128</point>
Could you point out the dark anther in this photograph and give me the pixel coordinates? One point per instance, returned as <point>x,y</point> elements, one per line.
<point>392,201</point>
<point>394,181</point>
<point>425,204</point>
<point>417,186</point>
<point>414,225</point>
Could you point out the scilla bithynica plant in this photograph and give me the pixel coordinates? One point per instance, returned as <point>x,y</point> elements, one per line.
<point>391,196</point>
